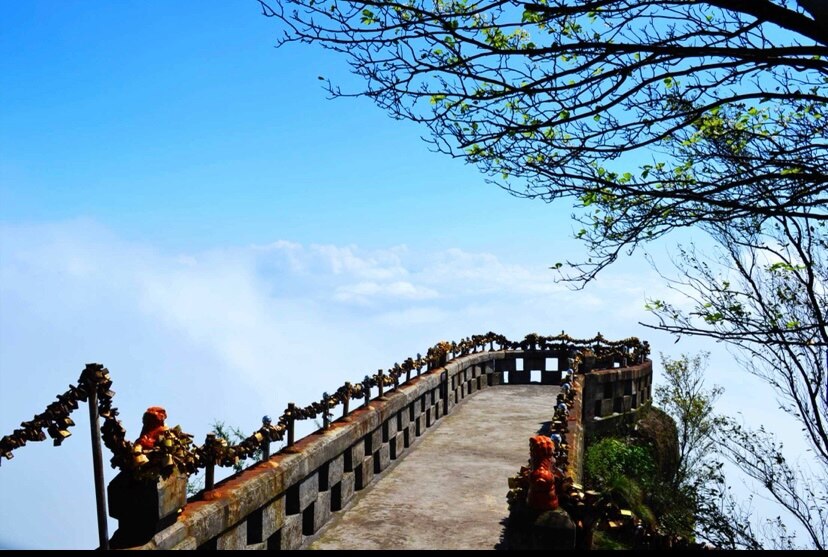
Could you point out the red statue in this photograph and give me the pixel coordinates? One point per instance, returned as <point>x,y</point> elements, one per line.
<point>542,494</point>
<point>153,427</point>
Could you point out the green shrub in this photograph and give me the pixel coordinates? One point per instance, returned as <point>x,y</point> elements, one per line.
<point>612,458</point>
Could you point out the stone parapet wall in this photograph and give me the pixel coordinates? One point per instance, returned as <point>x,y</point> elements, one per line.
<point>279,503</point>
<point>610,396</point>
<point>282,502</point>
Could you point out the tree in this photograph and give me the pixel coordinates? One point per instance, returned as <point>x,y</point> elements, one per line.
<point>652,115</point>
<point>765,292</point>
<point>684,398</point>
<point>697,499</point>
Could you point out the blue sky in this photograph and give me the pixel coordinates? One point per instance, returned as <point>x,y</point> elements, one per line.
<point>180,202</point>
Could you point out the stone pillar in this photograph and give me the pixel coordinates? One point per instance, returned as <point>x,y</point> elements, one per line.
<point>144,507</point>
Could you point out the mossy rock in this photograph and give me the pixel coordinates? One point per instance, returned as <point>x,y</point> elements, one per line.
<point>657,429</point>
<point>553,530</point>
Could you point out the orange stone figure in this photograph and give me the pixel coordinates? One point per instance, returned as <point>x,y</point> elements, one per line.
<point>542,495</point>
<point>153,426</point>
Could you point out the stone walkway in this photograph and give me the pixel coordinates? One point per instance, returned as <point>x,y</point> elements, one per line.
<point>449,492</point>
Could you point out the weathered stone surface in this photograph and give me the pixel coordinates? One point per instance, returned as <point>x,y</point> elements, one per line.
<point>403,420</point>
<point>308,491</point>
<point>321,511</point>
<point>234,538</point>
<point>188,544</point>
<point>291,533</point>
<point>382,458</point>
<point>273,517</point>
<point>453,366</point>
<point>399,445</point>
<point>376,440</point>
<point>245,499</point>
<point>204,522</point>
<point>335,469</point>
<point>421,424</point>
<point>357,455</point>
<point>347,488</point>
<point>367,472</point>
<point>171,537</point>
<point>389,429</point>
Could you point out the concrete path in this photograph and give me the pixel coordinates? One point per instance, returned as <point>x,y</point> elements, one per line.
<point>449,490</point>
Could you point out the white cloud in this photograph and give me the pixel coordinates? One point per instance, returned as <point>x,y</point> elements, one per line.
<point>485,272</point>
<point>235,333</point>
<point>379,265</point>
<point>424,315</point>
<point>363,292</point>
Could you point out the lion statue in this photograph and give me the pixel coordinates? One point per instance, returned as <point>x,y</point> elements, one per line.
<point>153,427</point>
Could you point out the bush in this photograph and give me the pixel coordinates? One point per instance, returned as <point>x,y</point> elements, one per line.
<point>610,459</point>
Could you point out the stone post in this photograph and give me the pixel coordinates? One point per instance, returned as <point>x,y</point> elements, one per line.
<point>144,507</point>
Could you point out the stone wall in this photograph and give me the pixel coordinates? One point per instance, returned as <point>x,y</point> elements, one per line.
<point>610,396</point>
<point>281,502</point>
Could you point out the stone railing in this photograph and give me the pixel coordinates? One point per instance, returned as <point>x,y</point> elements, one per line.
<point>279,503</point>
<point>282,502</point>
<point>611,395</point>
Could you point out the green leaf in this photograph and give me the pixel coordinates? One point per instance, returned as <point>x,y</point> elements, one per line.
<point>367,17</point>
